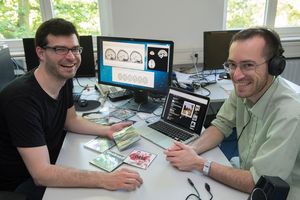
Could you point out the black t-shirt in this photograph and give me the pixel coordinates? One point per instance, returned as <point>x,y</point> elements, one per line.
<point>29,117</point>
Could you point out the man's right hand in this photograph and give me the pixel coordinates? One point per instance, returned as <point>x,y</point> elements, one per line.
<point>123,179</point>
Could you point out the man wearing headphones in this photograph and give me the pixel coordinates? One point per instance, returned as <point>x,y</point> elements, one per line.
<point>265,112</point>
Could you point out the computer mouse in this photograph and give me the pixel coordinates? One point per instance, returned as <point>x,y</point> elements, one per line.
<point>82,102</point>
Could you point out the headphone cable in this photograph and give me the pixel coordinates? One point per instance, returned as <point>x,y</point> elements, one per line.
<point>192,194</point>
<point>207,187</point>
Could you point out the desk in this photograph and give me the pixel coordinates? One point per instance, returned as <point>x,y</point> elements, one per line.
<point>161,180</point>
<point>221,90</point>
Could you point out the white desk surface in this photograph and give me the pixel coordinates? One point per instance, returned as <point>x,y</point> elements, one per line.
<point>161,180</point>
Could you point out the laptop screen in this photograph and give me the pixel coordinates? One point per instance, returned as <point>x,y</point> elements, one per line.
<point>185,110</point>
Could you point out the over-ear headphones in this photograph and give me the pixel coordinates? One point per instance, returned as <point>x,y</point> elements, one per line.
<point>277,62</point>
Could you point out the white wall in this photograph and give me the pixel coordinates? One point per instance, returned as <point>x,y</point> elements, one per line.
<point>182,21</point>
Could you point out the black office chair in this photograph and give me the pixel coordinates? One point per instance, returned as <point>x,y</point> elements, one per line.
<point>7,195</point>
<point>7,73</point>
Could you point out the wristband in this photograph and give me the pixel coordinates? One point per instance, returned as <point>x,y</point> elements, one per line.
<point>206,167</point>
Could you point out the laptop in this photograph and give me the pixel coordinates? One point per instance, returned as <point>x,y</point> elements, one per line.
<point>181,120</point>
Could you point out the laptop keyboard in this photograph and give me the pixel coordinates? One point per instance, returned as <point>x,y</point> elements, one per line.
<point>170,131</point>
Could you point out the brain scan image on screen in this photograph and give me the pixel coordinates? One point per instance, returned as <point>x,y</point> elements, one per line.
<point>162,53</point>
<point>133,79</point>
<point>110,54</point>
<point>123,56</point>
<point>136,57</point>
<point>151,64</point>
<point>152,53</point>
<point>158,58</point>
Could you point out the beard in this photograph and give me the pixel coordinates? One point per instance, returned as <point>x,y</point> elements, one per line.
<point>253,89</point>
<point>61,72</point>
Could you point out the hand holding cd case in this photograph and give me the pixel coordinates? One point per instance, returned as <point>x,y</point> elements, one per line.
<point>126,137</point>
<point>108,160</point>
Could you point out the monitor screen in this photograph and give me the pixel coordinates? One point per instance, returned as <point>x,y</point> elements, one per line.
<point>87,66</point>
<point>141,65</point>
<point>216,48</point>
<point>31,58</point>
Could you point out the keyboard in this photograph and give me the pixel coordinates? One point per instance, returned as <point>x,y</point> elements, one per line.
<point>170,131</point>
<point>120,95</point>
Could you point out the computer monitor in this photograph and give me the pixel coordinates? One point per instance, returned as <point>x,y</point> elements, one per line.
<point>31,58</point>
<point>6,68</point>
<point>87,66</point>
<point>141,65</point>
<point>216,48</point>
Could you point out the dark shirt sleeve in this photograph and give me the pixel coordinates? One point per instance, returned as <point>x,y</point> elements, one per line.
<point>24,123</point>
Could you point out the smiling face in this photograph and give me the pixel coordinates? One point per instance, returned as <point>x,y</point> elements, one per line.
<point>250,84</point>
<point>61,67</point>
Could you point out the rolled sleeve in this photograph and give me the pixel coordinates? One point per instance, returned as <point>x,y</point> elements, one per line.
<point>226,117</point>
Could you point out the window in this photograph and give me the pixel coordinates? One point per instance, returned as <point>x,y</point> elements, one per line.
<point>288,13</point>
<point>283,15</point>
<point>87,23</point>
<point>22,17</point>
<point>242,14</point>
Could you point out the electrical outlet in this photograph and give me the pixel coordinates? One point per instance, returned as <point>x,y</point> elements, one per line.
<point>195,54</point>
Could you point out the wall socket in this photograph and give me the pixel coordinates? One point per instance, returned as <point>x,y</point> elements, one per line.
<point>195,57</point>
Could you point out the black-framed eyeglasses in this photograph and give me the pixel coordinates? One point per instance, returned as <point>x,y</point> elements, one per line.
<point>245,66</point>
<point>60,50</point>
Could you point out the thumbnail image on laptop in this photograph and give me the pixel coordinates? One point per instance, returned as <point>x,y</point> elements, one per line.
<point>182,119</point>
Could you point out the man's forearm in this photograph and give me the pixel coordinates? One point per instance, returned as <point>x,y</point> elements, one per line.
<point>236,178</point>
<point>83,126</point>
<point>209,139</point>
<point>58,176</point>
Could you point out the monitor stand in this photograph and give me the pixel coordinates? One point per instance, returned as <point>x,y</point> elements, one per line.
<point>141,103</point>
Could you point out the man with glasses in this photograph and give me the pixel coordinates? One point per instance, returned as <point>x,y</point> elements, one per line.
<point>36,111</point>
<point>265,112</point>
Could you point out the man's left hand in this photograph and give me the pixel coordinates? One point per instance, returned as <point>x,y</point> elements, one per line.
<point>117,127</point>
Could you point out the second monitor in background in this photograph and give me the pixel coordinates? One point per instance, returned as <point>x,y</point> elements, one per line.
<point>141,65</point>
<point>87,66</point>
<point>31,59</point>
<point>216,48</point>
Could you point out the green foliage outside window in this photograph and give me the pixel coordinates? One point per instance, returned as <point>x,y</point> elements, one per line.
<point>21,18</point>
<point>243,14</point>
<point>84,14</point>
